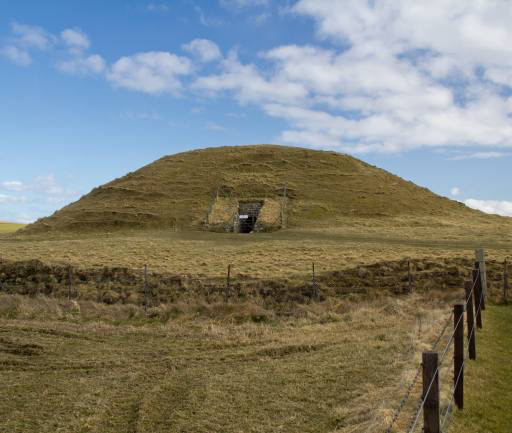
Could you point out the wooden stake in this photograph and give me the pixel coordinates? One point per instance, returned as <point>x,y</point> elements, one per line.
<point>470,315</point>
<point>431,393</point>
<point>69,282</point>
<point>480,258</point>
<point>458,355</point>
<point>477,296</point>
<point>315,294</point>
<point>409,276</point>
<point>481,279</point>
<point>228,285</point>
<point>283,206</point>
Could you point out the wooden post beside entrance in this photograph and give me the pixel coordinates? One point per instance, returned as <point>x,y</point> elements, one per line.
<point>458,355</point>
<point>431,393</point>
<point>470,314</point>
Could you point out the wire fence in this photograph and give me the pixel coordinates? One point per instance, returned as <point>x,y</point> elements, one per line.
<point>436,417</point>
<point>153,285</point>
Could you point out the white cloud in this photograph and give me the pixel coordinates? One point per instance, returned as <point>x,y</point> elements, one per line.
<point>75,38</point>
<point>259,19</point>
<point>25,38</point>
<point>150,72</point>
<point>48,185</point>
<point>157,7</point>
<point>405,75</point>
<point>213,126</point>
<point>13,185</point>
<point>82,65</point>
<point>31,36</point>
<point>204,49</point>
<point>12,199</point>
<point>207,20</point>
<point>503,208</point>
<point>455,191</point>
<point>16,55</point>
<point>480,155</point>
<point>249,85</point>
<point>239,4</point>
<point>42,196</point>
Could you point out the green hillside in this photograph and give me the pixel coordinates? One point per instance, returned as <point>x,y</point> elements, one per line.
<point>322,189</point>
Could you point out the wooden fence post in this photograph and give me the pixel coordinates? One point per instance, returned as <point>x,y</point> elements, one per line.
<point>480,258</point>
<point>478,297</point>
<point>470,314</point>
<point>228,285</point>
<point>70,282</point>
<point>458,355</point>
<point>431,393</point>
<point>505,282</point>
<point>409,277</point>
<point>483,293</point>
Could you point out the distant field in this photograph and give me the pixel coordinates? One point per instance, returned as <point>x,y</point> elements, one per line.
<point>277,254</point>
<point>10,227</point>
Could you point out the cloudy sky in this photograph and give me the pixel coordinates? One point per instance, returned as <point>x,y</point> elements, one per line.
<point>92,90</point>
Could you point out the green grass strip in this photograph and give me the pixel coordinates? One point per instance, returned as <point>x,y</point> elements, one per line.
<point>488,380</point>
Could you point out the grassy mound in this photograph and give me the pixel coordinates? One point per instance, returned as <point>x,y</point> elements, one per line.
<point>178,192</point>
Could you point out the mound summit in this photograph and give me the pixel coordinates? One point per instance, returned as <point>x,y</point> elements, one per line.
<point>245,188</point>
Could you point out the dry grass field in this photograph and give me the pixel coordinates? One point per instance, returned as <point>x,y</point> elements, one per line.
<point>85,367</point>
<point>340,365</point>
<point>278,254</point>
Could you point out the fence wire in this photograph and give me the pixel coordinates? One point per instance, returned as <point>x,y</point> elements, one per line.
<point>421,405</point>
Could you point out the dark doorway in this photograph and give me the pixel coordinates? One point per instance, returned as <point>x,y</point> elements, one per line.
<point>248,215</point>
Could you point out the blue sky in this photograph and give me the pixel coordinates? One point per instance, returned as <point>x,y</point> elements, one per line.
<point>92,90</point>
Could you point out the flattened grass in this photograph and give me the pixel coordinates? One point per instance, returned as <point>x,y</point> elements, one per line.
<point>322,373</point>
<point>488,381</point>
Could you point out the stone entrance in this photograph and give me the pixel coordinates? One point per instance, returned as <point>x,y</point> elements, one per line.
<point>248,214</point>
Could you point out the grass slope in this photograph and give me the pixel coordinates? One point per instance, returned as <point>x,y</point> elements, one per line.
<point>324,189</point>
<point>488,381</point>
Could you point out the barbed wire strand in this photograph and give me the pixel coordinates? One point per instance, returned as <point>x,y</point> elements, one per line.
<point>423,400</point>
<point>415,379</point>
<point>447,411</point>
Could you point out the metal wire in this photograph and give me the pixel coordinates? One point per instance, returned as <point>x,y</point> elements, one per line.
<point>404,400</point>
<point>422,404</point>
<point>447,411</point>
<point>415,379</point>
